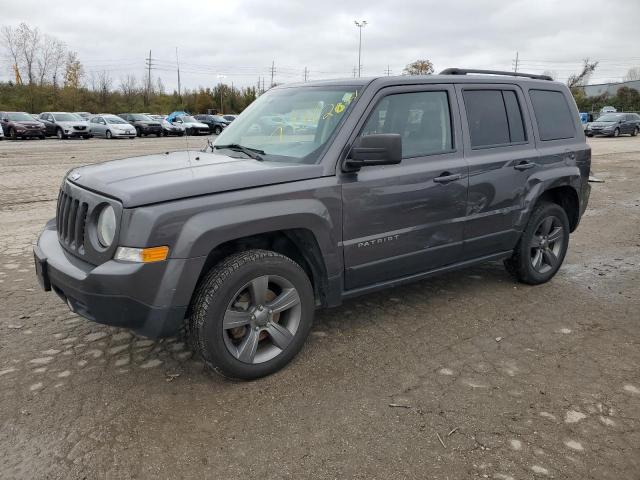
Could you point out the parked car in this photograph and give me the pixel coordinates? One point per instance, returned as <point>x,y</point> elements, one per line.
<point>216,123</point>
<point>143,124</point>
<point>20,125</point>
<point>84,115</point>
<point>411,177</point>
<point>614,124</point>
<point>169,129</point>
<point>191,125</point>
<point>608,110</point>
<point>65,125</point>
<point>111,126</point>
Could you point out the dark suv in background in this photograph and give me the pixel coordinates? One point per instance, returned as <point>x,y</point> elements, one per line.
<point>216,123</point>
<point>401,178</point>
<point>21,125</point>
<point>143,124</point>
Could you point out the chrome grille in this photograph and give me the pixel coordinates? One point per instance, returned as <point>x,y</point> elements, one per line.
<point>71,216</point>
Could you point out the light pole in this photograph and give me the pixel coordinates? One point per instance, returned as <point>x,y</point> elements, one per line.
<point>360,26</point>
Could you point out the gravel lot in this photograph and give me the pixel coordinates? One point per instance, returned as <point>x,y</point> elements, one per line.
<point>469,375</point>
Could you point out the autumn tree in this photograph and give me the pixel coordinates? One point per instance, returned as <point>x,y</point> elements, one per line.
<point>419,67</point>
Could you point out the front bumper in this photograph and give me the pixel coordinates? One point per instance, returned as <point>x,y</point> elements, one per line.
<point>151,130</point>
<point>29,133</point>
<point>121,134</point>
<point>151,299</point>
<point>78,133</point>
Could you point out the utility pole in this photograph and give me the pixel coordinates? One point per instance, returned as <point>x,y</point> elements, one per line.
<point>360,26</point>
<point>273,71</point>
<point>178,65</point>
<point>355,71</point>
<point>515,66</point>
<point>306,73</point>
<point>388,71</point>
<point>148,95</point>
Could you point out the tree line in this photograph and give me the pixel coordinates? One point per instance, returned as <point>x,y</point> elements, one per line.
<point>47,76</point>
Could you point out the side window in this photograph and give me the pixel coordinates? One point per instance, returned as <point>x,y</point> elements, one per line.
<point>552,113</point>
<point>422,119</point>
<point>494,118</point>
<point>514,115</point>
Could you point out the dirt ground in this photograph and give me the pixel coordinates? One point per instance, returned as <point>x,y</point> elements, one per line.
<point>468,375</point>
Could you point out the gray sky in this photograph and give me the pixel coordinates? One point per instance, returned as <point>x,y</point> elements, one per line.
<point>239,39</point>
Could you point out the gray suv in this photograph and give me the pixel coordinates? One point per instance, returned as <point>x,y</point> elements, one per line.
<point>399,179</point>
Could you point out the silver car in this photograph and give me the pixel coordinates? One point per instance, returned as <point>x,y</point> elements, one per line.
<point>111,126</point>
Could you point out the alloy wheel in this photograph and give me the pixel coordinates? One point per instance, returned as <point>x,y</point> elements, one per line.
<point>262,319</point>
<point>546,244</point>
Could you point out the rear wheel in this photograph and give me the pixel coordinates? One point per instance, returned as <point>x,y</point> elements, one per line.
<point>542,246</point>
<point>251,314</point>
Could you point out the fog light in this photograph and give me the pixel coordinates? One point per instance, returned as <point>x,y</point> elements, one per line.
<point>142,255</point>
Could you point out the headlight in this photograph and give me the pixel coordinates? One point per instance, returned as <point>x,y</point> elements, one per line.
<point>106,226</point>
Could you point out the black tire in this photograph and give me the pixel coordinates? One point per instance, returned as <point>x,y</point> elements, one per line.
<point>521,263</point>
<point>108,135</point>
<point>635,132</point>
<point>138,132</point>
<point>164,134</point>
<point>616,132</point>
<point>214,295</point>
<point>217,130</point>
<point>181,134</point>
<point>12,134</point>
<point>60,134</point>
<point>589,134</point>
<point>41,137</point>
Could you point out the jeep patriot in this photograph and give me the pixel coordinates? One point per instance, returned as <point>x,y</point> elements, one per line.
<point>362,184</point>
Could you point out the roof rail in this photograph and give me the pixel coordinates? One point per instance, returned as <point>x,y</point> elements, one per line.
<point>464,71</point>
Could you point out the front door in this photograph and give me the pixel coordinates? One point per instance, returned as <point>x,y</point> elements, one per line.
<point>401,220</point>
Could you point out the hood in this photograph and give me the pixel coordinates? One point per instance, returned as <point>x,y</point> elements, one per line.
<point>602,124</point>
<point>195,124</point>
<point>28,123</point>
<point>74,123</point>
<point>159,178</point>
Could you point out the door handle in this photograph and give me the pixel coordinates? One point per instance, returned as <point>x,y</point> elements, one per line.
<point>524,166</point>
<point>446,177</point>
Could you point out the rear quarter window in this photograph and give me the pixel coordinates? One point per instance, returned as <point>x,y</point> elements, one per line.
<point>553,115</point>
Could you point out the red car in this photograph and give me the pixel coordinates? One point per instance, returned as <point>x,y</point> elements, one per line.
<point>21,125</point>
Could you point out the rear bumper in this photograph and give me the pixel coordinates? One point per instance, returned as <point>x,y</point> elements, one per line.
<point>151,299</point>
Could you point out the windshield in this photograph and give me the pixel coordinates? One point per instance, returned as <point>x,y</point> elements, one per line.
<point>290,124</point>
<point>229,117</point>
<point>67,117</point>
<point>611,117</point>
<point>136,117</point>
<point>114,120</point>
<point>188,119</point>
<point>19,117</point>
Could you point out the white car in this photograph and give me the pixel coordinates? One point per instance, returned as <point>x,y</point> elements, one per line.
<point>191,125</point>
<point>111,126</point>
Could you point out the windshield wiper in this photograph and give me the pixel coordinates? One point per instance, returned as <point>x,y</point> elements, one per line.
<point>254,153</point>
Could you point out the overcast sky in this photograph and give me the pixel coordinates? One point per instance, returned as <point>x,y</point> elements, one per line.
<point>236,41</point>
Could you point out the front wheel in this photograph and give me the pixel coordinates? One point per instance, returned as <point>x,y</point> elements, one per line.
<point>109,135</point>
<point>616,132</point>
<point>251,314</point>
<point>635,132</point>
<point>60,134</point>
<point>217,130</point>
<point>542,246</point>
<point>13,134</point>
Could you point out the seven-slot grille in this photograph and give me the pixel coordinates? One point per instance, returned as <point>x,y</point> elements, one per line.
<point>71,216</point>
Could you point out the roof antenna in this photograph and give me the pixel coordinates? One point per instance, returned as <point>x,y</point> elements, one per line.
<point>186,131</point>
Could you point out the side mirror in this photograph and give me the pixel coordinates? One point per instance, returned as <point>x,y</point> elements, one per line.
<point>371,150</point>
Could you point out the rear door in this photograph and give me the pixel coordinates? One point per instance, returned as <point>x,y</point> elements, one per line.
<point>501,154</point>
<point>405,219</point>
